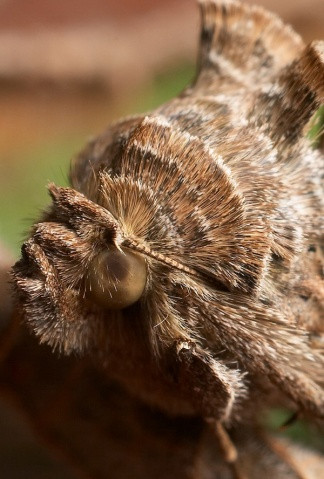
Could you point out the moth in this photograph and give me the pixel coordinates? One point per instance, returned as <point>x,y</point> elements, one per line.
<point>185,258</point>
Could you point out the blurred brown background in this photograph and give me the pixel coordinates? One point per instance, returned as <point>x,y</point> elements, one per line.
<point>67,68</point>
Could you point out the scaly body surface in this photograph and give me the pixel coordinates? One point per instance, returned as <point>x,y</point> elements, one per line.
<point>186,256</point>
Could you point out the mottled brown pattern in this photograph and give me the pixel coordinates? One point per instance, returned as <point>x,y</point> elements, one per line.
<point>220,193</point>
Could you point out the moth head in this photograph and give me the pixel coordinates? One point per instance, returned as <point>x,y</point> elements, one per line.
<point>76,272</point>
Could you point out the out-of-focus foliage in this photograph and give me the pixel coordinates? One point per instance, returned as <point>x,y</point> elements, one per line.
<point>316,131</point>
<point>298,431</point>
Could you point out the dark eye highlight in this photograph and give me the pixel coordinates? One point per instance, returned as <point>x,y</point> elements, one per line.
<point>116,278</point>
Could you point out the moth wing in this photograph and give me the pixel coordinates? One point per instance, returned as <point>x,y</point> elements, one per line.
<point>267,344</point>
<point>101,154</point>
<point>245,49</point>
<point>243,44</point>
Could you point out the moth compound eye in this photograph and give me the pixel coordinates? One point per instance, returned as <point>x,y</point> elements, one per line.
<point>116,278</point>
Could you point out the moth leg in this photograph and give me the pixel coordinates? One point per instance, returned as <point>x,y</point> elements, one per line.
<point>51,310</point>
<point>227,447</point>
<point>40,283</point>
<point>212,387</point>
<point>283,452</point>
